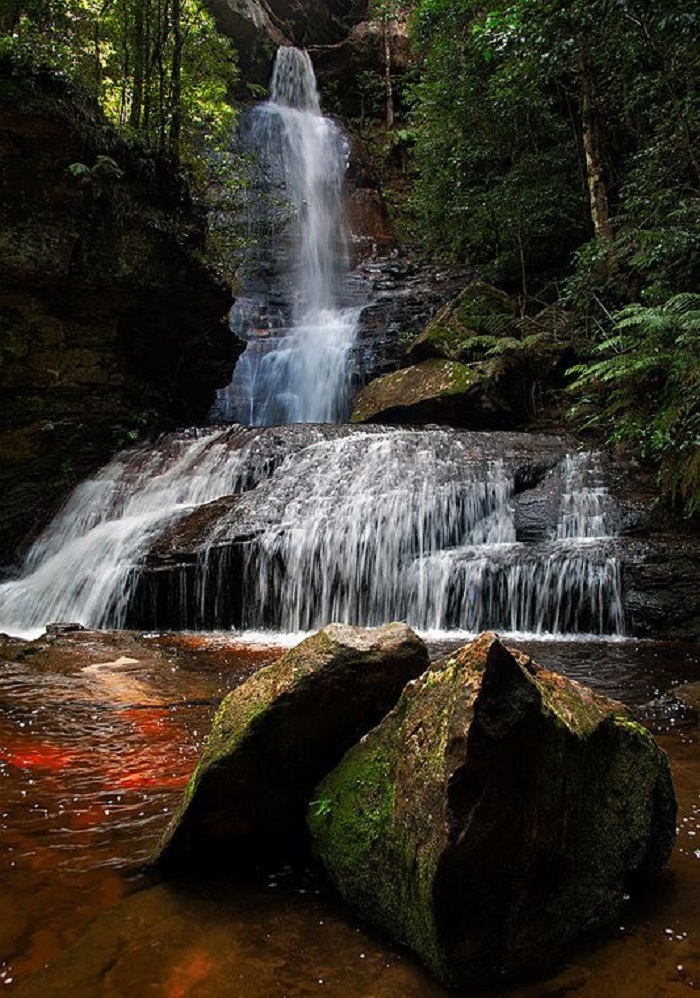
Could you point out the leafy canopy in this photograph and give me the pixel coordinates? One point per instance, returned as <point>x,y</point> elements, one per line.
<point>159,68</point>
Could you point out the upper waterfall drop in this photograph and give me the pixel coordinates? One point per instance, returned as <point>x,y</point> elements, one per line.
<point>294,312</point>
<point>293,81</point>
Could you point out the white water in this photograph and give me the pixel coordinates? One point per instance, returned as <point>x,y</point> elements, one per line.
<point>586,505</point>
<point>83,567</point>
<point>355,526</point>
<point>412,526</point>
<point>361,526</point>
<point>295,367</point>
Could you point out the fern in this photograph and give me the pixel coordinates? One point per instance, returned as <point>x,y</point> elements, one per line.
<point>645,391</point>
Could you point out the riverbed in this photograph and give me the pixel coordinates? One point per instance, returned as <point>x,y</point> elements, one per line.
<point>98,736</point>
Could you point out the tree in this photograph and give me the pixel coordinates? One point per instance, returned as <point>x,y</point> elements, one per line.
<point>159,68</point>
<point>390,13</point>
<point>610,81</point>
<point>499,181</point>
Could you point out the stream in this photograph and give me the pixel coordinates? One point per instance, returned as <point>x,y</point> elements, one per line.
<point>94,758</point>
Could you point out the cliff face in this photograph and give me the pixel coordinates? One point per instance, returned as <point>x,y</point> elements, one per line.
<point>109,319</point>
<point>259,27</point>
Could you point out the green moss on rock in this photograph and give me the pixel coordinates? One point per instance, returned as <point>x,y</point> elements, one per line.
<point>276,735</point>
<point>436,391</point>
<point>498,812</point>
<point>480,310</point>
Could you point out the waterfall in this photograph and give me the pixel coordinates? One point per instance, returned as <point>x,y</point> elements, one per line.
<point>299,330</point>
<point>361,525</point>
<point>412,526</point>
<point>84,566</point>
<point>329,522</point>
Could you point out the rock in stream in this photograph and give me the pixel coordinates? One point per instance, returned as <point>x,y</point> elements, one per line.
<point>496,814</point>
<point>278,734</point>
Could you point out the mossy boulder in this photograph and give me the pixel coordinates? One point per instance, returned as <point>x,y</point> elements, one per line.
<point>277,735</point>
<point>480,310</point>
<point>497,813</point>
<point>436,391</point>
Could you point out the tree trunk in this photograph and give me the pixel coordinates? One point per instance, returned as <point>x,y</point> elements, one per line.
<point>597,191</point>
<point>388,85</point>
<point>97,55</point>
<point>139,41</point>
<point>176,80</point>
<point>161,40</point>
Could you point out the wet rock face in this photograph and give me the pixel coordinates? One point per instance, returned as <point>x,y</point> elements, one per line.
<point>435,391</point>
<point>497,813</point>
<point>259,27</point>
<point>275,736</point>
<point>662,586</point>
<point>370,232</point>
<point>241,561</point>
<point>476,363</point>
<point>298,548</point>
<point>401,299</point>
<point>108,318</point>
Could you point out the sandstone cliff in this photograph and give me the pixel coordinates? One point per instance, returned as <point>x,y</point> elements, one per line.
<point>110,321</point>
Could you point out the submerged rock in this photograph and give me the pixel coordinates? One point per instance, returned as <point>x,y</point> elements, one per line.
<point>279,733</point>
<point>497,813</point>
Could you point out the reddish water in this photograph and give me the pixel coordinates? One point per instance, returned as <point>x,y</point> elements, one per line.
<point>93,761</point>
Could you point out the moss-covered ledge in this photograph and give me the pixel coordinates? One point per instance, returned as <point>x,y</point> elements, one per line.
<point>435,391</point>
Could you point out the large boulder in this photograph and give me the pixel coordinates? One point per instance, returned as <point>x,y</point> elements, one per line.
<point>436,391</point>
<point>277,735</point>
<point>498,812</point>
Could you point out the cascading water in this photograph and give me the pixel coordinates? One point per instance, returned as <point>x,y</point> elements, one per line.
<point>83,567</point>
<point>360,525</point>
<point>299,332</point>
<point>413,525</point>
<point>329,522</point>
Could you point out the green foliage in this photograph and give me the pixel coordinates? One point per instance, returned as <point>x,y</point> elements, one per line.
<point>498,176</point>
<point>525,113</point>
<point>159,68</point>
<point>163,76</point>
<point>498,111</point>
<point>101,175</point>
<point>642,386</point>
<point>131,430</point>
<point>520,365</point>
<point>321,808</point>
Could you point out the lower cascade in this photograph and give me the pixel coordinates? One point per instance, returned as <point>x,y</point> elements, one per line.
<point>288,528</point>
